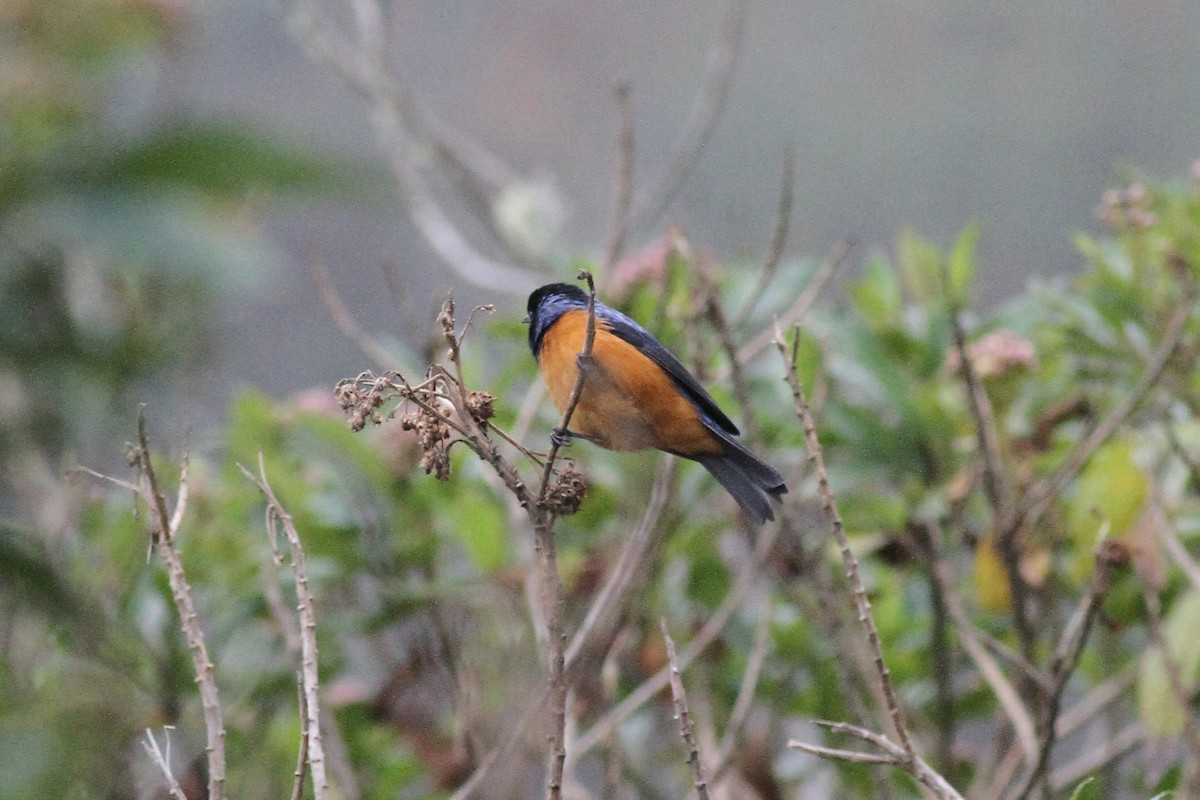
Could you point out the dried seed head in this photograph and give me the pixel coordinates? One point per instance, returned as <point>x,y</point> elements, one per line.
<point>567,495</point>
<point>481,406</point>
<point>433,439</point>
<point>360,397</point>
<point>1115,553</point>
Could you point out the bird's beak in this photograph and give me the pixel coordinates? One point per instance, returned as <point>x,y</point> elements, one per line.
<point>527,320</point>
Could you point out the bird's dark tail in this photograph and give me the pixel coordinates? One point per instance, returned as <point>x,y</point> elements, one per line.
<point>752,482</point>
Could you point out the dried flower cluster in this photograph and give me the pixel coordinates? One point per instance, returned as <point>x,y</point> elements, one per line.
<point>567,495</point>
<point>362,397</point>
<point>433,437</point>
<point>481,405</point>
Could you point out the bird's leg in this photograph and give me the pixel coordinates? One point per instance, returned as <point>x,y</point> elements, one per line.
<point>561,438</point>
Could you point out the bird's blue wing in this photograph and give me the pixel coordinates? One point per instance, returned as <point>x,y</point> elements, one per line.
<point>627,329</point>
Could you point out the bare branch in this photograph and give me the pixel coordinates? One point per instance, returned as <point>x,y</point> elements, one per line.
<point>347,324</point>
<point>624,181</point>
<point>597,625</point>
<point>406,132</point>
<point>924,774</point>
<point>783,219</point>
<point>985,420</point>
<point>1170,539</point>
<point>635,560</point>
<point>802,305</point>
<point>306,611</point>
<point>126,485</point>
<point>302,754</point>
<point>684,716</point>
<point>1018,714</point>
<point>715,311</point>
<point>163,536</point>
<point>583,364</point>
<point>150,745</point>
<point>745,696</point>
<point>697,130</point>
<point>1066,655</point>
<point>543,525</point>
<point>712,628</point>
<point>1096,758</point>
<point>861,602</point>
<point>853,756</point>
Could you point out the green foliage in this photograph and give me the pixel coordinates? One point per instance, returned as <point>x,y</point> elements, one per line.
<point>114,238</point>
<point>1157,702</point>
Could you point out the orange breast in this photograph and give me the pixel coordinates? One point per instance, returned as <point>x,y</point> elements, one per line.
<point>628,402</point>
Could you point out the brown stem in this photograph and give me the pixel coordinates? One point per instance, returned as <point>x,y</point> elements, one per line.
<point>683,715</point>
<point>166,526</point>
<point>861,602</point>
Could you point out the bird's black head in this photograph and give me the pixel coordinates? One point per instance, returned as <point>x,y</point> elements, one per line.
<point>547,304</point>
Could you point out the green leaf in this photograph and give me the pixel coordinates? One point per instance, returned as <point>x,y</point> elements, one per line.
<point>960,272</point>
<point>1112,489</point>
<point>227,160</point>
<point>1082,792</point>
<point>921,265</point>
<point>1161,710</point>
<point>877,295</point>
<point>810,360</point>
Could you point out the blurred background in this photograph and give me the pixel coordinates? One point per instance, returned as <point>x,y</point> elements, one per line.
<point>927,115</point>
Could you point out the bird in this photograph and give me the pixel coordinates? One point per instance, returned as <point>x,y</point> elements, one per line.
<point>636,395</point>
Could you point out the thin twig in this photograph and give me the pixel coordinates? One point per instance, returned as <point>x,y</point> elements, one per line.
<point>552,597</point>
<point>697,129</point>
<point>624,180</point>
<point>306,612</point>
<point>683,715</point>
<point>150,745</point>
<point>408,132</point>
<point>712,628</point>
<point>636,557</point>
<point>1018,713</point>
<point>163,535</point>
<point>861,602</point>
<point>1066,657</point>
<point>596,628</point>
<point>745,696</point>
<point>583,364</point>
<point>720,323</point>
<point>1071,720</point>
<point>941,654</point>
<point>802,304</point>
<point>985,419</point>
<point>994,485</point>
<point>927,776</point>
<point>345,321</point>
<point>301,756</point>
<point>837,754</point>
<point>1096,758</point>
<point>1170,539</point>
<point>783,219</point>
